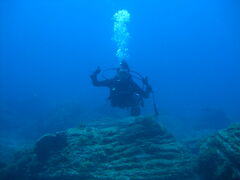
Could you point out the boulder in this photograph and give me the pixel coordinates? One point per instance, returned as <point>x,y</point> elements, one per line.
<point>49,144</point>
<point>140,149</point>
<point>219,156</point>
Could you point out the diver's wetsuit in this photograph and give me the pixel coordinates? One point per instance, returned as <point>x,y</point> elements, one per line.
<point>124,93</point>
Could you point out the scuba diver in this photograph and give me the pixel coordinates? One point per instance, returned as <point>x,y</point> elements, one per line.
<point>124,92</point>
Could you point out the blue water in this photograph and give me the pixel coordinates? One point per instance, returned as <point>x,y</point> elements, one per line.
<point>190,50</point>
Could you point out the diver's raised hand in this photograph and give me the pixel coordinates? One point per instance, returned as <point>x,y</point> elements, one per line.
<point>97,71</point>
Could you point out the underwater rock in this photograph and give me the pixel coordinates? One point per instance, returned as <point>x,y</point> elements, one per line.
<point>219,157</point>
<point>7,150</point>
<point>140,149</point>
<point>49,144</point>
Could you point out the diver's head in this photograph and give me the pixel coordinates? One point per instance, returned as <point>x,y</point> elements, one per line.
<point>123,71</point>
<point>124,65</point>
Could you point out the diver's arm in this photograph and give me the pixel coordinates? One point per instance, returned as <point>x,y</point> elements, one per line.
<point>96,82</point>
<point>148,88</point>
<point>147,91</point>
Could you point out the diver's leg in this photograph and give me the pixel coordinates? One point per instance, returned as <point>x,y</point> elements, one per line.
<point>135,111</point>
<point>135,105</point>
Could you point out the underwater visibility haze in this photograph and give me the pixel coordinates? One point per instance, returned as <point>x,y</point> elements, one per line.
<point>189,50</point>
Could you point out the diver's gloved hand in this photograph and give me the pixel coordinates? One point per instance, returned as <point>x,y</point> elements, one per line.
<point>148,87</point>
<point>97,71</point>
<point>145,80</point>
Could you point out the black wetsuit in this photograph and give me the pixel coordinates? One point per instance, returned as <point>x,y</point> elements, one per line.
<point>124,93</point>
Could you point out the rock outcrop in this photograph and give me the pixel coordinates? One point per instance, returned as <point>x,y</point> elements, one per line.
<point>219,156</point>
<point>140,149</point>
